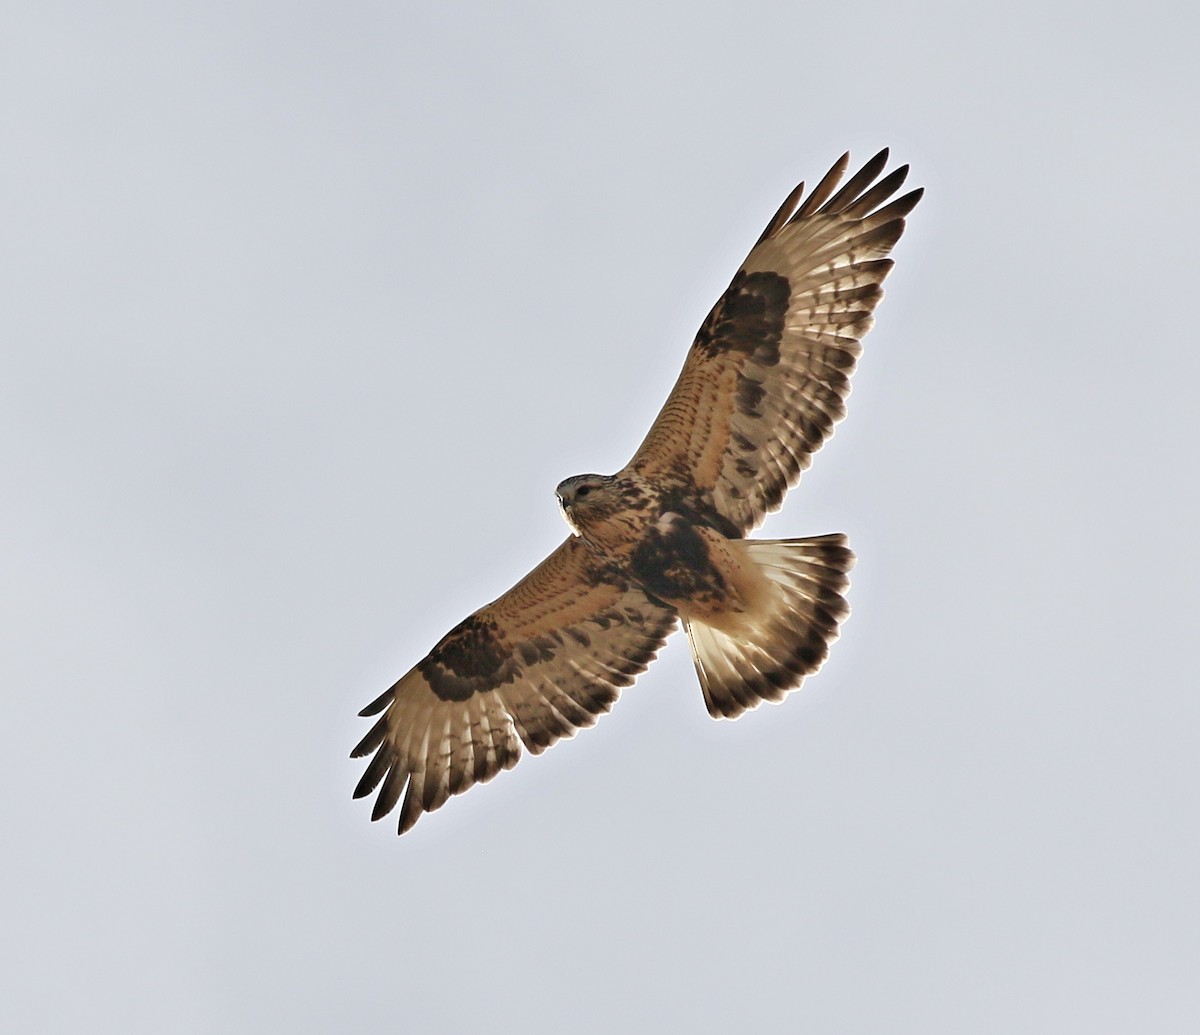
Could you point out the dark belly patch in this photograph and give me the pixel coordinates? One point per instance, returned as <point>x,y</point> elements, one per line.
<point>674,564</point>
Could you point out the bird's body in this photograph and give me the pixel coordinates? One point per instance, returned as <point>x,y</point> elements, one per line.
<point>673,549</point>
<point>662,540</point>
<point>670,548</point>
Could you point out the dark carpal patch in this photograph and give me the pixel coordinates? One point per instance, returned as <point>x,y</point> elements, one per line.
<point>470,658</point>
<point>748,318</point>
<point>674,565</point>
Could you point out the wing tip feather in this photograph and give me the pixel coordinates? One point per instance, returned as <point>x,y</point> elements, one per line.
<point>821,192</point>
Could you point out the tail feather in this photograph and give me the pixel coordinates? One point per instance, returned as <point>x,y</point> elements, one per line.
<point>790,636</point>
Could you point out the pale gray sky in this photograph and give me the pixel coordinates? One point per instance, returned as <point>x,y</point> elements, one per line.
<point>306,310</point>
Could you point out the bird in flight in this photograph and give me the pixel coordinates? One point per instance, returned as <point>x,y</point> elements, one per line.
<point>662,540</point>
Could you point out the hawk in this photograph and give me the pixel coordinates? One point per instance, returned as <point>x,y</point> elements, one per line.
<point>662,540</point>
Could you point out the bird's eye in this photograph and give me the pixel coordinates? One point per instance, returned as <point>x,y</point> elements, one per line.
<point>583,490</point>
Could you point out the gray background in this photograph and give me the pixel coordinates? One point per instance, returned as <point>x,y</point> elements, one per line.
<point>307,308</point>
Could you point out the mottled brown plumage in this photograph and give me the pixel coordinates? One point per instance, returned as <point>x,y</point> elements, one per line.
<point>763,384</point>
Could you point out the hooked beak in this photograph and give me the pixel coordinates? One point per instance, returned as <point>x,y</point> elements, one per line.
<point>562,506</point>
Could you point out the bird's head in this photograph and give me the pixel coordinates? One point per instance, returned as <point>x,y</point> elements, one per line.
<point>585,496</point>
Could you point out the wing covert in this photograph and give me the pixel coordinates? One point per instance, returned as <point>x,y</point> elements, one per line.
<point>545,659</point>
<point>769,371</point>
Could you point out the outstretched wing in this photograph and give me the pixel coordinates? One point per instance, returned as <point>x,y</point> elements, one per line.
<point>545,659</point>
<point>768,374</point>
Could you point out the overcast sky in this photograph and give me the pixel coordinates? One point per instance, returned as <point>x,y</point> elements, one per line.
<point>306,309</point>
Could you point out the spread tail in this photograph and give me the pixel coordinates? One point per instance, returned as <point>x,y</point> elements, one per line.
<point>788,637</point>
